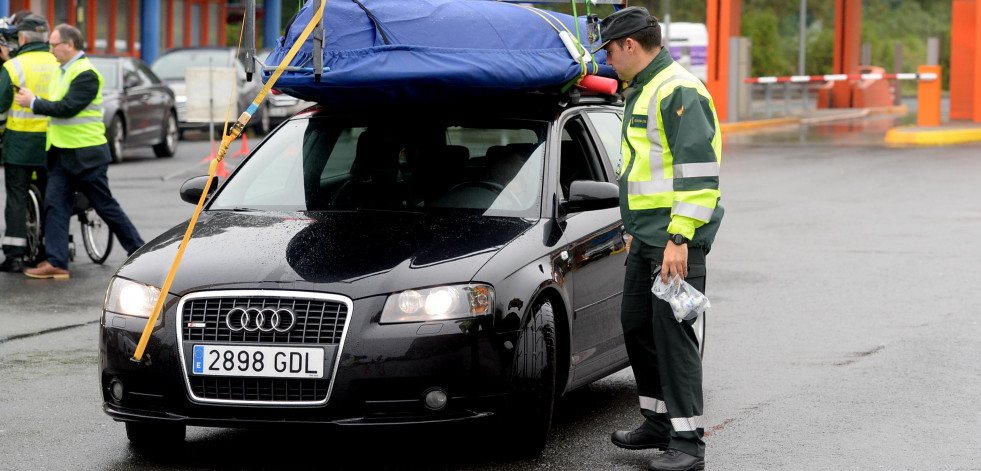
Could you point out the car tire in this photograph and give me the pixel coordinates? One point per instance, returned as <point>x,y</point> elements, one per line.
<point>116,135</point>
<point>168,145</point>
<point>263,123</point>
<point>154,434</point>
<point>529,417</point>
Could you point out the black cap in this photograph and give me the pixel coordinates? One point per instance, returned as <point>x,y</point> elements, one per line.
<point>33,23</point>
<point>624,23</point>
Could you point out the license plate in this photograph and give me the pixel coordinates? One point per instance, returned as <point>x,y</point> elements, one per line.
<point>272,362</point>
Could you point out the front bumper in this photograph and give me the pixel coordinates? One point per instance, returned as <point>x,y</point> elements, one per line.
<point>379,376</point>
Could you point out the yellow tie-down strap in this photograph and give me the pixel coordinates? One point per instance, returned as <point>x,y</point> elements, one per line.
<point>236,130</point>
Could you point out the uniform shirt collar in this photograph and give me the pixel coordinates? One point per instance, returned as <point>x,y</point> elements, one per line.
<point>660,62</point>
<point>69,63</point>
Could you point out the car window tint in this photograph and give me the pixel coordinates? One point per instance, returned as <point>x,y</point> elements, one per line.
<point>171,66</point>
<point>324,164</point>
<point>130,77</point>
<point>608,126</point>
<point>109,71</point>
<point>272,177</point>
<point>147,74</point>
<point>576,156</point>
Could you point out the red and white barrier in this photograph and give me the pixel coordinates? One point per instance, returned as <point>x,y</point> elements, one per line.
<point>841,77</point>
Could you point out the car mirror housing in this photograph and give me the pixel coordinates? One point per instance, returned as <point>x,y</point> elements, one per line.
<point>130,81</point>
<point>192,188</point>
<point>585,195</point>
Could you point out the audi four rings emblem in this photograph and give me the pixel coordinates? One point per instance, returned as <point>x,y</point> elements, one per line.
<point>251,319</point>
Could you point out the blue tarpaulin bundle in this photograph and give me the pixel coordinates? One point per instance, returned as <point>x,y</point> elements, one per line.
<point>410,50</point>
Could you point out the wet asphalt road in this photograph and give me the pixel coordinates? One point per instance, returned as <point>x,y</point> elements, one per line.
<point>843,333</point>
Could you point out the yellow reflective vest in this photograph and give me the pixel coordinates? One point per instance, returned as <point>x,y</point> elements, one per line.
<point>35,71</point>
<point>86,128</point>
<point>671,150</point>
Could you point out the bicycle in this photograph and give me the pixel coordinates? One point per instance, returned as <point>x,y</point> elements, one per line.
<point>96,235</point>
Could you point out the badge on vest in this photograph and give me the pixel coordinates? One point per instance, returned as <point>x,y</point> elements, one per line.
<point>638,121</point>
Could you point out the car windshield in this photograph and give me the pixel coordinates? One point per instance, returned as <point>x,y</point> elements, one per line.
<point>108,69</point>
<point>171,66</point>
<point>321,163</point>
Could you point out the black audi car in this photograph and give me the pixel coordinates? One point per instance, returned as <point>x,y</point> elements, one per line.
<point>384,266</point>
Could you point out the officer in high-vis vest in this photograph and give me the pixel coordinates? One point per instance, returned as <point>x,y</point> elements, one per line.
<point>24,138</point>
<point>669,200</point>
<point>78,153</point>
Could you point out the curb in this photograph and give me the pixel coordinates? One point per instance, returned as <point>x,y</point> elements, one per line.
<point>933,135</point>
<point>846,113</point>
<point>756,124</point>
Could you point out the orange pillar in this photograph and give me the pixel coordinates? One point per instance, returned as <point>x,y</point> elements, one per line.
<point>848,46</point>
<point>928,97</point>
<point>723,20</point>
<point>965,60</point>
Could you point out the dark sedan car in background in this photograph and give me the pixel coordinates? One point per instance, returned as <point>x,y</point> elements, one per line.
<point>384,265</point>
<point>171,68</point>
<point>138,108</point>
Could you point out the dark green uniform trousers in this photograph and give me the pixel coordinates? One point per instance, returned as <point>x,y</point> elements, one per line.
<point>664,352</point>
<point>17,179</point>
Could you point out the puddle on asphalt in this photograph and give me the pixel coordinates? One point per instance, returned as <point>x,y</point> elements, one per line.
<point>858,132</point>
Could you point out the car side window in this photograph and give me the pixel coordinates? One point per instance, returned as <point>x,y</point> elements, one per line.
<point>608,126</point>
<point>146,74</point>
<point>578,158</point>
<point>130,77</point>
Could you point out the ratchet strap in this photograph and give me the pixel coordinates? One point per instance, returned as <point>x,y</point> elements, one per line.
<point>226,140</point>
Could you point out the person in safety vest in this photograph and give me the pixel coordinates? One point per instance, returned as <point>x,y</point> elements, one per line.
<point>78,153</point>
<point>25,136</point>
<point>669,193</point>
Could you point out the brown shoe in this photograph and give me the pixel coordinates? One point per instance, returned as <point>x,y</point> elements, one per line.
<point>47,270</point>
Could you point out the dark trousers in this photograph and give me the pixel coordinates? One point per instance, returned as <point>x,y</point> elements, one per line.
<point>663,352</point>
<point>60,200</point>
<point>17,179</point>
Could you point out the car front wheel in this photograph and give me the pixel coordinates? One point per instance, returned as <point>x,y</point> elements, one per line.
<point>168,145</point>
<point>529,417</point>
<point>117,134</point>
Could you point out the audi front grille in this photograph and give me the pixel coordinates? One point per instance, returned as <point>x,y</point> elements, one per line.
<point>288,319</point>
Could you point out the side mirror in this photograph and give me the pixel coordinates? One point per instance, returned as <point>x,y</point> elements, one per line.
<point>130,81</point>
<point>191,189</point>
<point>586,195</point>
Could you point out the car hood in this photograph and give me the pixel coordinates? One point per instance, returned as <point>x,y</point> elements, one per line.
<point>354,253</point>
<point>178,86</point>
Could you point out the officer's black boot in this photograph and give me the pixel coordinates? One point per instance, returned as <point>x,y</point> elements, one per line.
<point>12,265</point>
<point>674,460</point>
<point>639,439</point>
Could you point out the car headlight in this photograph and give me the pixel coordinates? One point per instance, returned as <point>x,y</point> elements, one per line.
<point>439,303</point>
<point>131,298</point>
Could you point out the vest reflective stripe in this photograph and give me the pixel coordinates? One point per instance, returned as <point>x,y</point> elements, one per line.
<point>36,71</point>
<point>20,72</point>
<point>76,120</point>
<point>650,183</point>
<point>85,129</point>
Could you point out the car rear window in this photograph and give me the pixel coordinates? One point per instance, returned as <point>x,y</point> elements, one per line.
<point>171,66</point>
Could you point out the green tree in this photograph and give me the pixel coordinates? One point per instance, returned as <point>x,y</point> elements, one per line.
<point>768,57</point>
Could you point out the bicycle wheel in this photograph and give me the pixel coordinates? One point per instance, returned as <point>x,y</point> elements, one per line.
<point>96,235</point>
<point>35,247</point>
